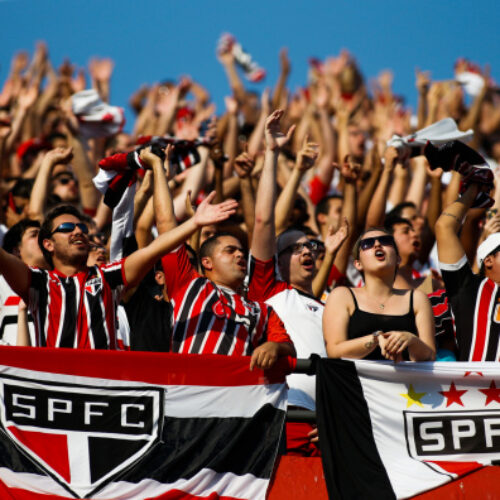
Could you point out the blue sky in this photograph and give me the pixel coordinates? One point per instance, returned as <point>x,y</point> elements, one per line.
<point>153,40</point>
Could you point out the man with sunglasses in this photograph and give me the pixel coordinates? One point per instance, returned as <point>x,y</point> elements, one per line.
<point>75,305</point>
<point>291,297</point>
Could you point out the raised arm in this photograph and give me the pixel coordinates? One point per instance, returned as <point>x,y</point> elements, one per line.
<point>243,166</point>
<point>264,236</point>
<point>42,181</point>
<point>306,158</point>
<point>140,262</point>
<point>281,83</point>
<point>376,212</point>
<point>16,273</point>
<point>450,249</point>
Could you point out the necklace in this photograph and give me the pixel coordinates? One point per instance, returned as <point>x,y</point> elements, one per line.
<point>381,305</point>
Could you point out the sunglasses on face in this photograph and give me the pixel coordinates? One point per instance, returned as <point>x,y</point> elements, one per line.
<point>385,241</point>
<point>297,248</point>
<point>65,180</point>
<point>69,227</point>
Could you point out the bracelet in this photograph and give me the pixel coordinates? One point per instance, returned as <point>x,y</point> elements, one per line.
<point>452,215</point>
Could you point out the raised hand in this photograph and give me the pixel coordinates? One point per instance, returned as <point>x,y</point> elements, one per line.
<point>27,97</point>
<point>284,61</point>
<point>59,155</point>
<point>148,157</point>
<point>350,170</point>
<point>231,105</point>
<point>423,81</point>
<point>243,165</point>
<point>212,214</point>
<point>390,157</point>
<point>334,239</point>
<point>307,155</point>
<point>275,139</point>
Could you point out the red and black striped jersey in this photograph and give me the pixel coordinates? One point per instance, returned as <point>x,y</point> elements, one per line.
<point>475,305</point>
<point>209,319</point>
<point>77,311</point>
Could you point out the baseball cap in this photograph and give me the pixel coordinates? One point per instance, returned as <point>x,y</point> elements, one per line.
<point>491,243</point>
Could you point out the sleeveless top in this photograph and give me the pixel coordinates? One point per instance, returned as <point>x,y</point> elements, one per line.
<point>363,323</point>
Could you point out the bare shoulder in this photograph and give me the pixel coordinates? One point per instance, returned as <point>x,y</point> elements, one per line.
<point>339,296</point>
<point>420,300</point>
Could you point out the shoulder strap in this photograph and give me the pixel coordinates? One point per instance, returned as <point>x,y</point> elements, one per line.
<point>411,301</point>
<point>353,298</point>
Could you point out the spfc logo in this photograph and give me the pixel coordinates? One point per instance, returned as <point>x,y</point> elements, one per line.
<point>82,436</point>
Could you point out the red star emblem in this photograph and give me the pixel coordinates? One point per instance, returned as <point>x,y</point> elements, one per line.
<point>452,395</point>
<point>492,394</point>
<point>473,373</point>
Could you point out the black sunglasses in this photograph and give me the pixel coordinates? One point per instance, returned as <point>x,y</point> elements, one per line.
<point>65,180</point>
<point>69,227</point>
<point>386,241</point>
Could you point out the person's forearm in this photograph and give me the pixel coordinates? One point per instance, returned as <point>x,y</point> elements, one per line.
<point>219,183</point>
<point>321,279</point>
<point>399,186</point>
<point>376,211</point>
<point>39,191</point>
<point>144,225</point>
<point>234,81</point>
<point>194,182</point>
<point>472,117</point>
<point>84,172</point>
<point>16,128</point>
<point>247,205</point>
<point>284,204</point>
<point>23,334</point>
<point>366,195</point>
<point>420,351</point>
<point>348,212</point>
<point>451,218</point>
<point>416,190</point>
<point>231,145</point>
<point>435,201</point>
<point>421,109</point>
<point>257,135</point>
<point>356,348</point>
<point>162,199</point>
<point>16,273</point>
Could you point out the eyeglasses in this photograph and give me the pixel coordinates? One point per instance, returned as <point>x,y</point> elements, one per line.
<point>298,248</point>
<point>386,241</point>
<point>93,247</point>
<point>69,227</point>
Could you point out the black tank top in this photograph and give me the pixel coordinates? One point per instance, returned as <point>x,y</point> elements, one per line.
<point>363,323</point>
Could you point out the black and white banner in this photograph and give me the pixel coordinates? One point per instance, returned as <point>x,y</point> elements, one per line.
<point>122,425</point>
<point>393,431</point>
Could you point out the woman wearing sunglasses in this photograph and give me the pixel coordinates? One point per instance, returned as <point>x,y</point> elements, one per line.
<point>377,321</point>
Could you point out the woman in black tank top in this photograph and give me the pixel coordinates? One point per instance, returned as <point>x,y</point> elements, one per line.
<point>378,321</point>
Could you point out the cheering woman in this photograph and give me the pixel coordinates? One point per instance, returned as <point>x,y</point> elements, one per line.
<point>378,321</point>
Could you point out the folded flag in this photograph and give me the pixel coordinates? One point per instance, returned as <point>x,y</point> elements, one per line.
<point>228,43</point>
<point>96,117</point>
<point>392,431</point>
<point>130,425</point>
<point>438,133</point>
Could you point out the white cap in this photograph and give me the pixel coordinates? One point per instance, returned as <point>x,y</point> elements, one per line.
<point>486,247</point>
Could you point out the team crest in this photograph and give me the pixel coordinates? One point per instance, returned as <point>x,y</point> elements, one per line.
<point>69,430</point>
<point>93,286</point>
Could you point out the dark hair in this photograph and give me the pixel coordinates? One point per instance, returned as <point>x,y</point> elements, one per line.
<point>390,222</point>
<point>208,246</point>
<point>323,206</point>
<point>14,235</point>
<point>398,209</point>
<point>55,135</point>
<point>22,188</point>
<point>46,228</point>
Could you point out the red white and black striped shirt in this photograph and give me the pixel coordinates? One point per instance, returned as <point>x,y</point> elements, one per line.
<point>475,305</point>
<point>77,311</point>
<point>209,319</point>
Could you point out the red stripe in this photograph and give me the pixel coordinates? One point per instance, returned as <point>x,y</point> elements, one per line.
<point>439,309</point>
<point>148,367</point>
<point>13,300</point>
<point>19,494</point>
<point>459,468</point>
<point>482,320</point>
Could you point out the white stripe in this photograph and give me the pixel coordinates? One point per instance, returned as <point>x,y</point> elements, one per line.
<point>62,313</point>
<point>78,292</point>
<point>209,402</point>
<point>190,310</point>
<point>488,325</point>
<point>208,330</point>
<point>453,267</point>
<point>202,484</point>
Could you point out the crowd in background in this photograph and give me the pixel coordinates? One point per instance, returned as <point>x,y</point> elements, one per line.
<point>326,177</point>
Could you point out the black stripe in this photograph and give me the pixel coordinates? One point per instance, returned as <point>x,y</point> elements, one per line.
<point>352,465</point>
<point>96,327</point>
<point>113,277</point>
<point>227,337</point>
<point>206,317</point>
<point>237,445</point>
<point>182,321</point>
<point>43,287</point>
<point>68,314</point>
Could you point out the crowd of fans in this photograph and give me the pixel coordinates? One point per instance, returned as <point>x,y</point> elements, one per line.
<point>200,234</point>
